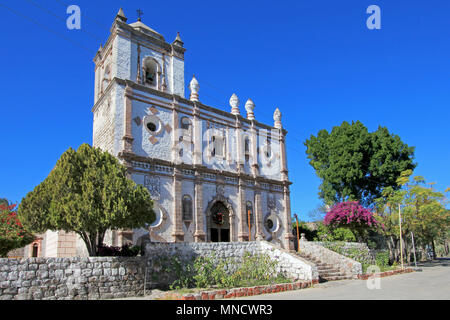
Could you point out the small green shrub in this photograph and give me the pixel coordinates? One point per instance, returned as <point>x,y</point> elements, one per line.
<point>382,259</point>
<point>325,233</point>
<point>209,271</point>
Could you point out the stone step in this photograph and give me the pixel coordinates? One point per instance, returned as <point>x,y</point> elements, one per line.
<point>329,271</point>
<point>334,278</point>
<point>330,274</point>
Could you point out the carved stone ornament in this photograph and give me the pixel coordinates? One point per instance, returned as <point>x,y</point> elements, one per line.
<point>220,189</point>
<point>153,184</point>
<point>271,202</point>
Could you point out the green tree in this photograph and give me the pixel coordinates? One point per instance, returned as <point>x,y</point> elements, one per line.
<point>13,235</point>
<point>327,233</point>
<point>422,209</point>
<point>88,193</point>
<point>355,165</point>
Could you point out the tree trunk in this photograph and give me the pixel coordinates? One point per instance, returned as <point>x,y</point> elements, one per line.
<point>92,241</point>
<point>433,247</point>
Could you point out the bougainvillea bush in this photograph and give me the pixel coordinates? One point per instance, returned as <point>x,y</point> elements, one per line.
<point>13,235</point>
<point>351,215</point>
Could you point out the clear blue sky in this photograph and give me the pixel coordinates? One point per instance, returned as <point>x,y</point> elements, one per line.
<point>315,60</point>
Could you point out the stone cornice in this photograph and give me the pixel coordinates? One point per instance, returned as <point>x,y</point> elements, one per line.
<point>127,156</point>
<point>178,99</point>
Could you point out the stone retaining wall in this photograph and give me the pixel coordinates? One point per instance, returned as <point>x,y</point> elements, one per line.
<point>346,265</point>
<point>353,250</point>
<point>160,255</point>
<point>71,278</point>
<point>117,277</point>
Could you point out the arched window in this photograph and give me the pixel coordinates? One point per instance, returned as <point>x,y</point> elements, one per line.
<point>35,252</point>
<point>186,124</point>
<point>150,72</point>
<point>249,208</point>
<point>268,149</point>
<point>218,145</point>
<point>247,149</point>
<point>187,208</point>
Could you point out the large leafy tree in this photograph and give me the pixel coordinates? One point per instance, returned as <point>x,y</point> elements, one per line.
<point>87,192</point>
<point>356,165</point>
<point>13,235</point>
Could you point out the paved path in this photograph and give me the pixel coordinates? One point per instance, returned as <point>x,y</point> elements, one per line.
<point>432,283</point>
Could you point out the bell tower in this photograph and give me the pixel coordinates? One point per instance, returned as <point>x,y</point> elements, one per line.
<point>138,53</point>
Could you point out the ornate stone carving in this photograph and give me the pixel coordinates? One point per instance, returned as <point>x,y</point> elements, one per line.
<point>249,107</point>
<point>194,87</point>
<point>153,184</point>
<point>220,189</point>
<point>277,119</point>
<point>234,103</point>
<point>271,202</point>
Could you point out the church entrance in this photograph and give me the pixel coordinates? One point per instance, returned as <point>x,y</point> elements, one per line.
<point>220,223</point>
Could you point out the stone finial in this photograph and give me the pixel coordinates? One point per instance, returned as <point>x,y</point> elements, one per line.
<point>194,87</point>
<point>234,103</point>
<point>121,16</point>
<point>277,119</point>
<point>249,107</point>
<point>178,41</point>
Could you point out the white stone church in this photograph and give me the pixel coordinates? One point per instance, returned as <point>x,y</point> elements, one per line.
<point>213,175</point>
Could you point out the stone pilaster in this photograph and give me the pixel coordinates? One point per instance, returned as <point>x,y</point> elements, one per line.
<point>283,158</point>
<point>197,131</point>
<point>177,233</point>
<point>258,213</point>
<point>242,229</point>
<point>254,151</point>
<point>288,236</point>
<point>175,136</point>
<point>239,146</point>
<point>199,233</point>
<point>127,134</point>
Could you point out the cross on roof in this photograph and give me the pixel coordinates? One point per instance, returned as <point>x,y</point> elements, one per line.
<point>140,13</point>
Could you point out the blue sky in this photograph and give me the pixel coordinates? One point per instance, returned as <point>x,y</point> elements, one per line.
<point>315,60</point>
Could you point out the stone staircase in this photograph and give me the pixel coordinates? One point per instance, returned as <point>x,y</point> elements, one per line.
<point>327,272</point>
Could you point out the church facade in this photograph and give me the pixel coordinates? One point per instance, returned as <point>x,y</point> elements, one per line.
<point>213,175</point>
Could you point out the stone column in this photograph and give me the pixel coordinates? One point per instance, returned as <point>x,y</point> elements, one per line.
<point>177,218</point>
<point>242,230</point>
<point>127,134</point>
<point>199,234</point>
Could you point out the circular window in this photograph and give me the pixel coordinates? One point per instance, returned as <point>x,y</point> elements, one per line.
<point>271,223</point>
<point>153,124</point>
<point>158,218</point>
